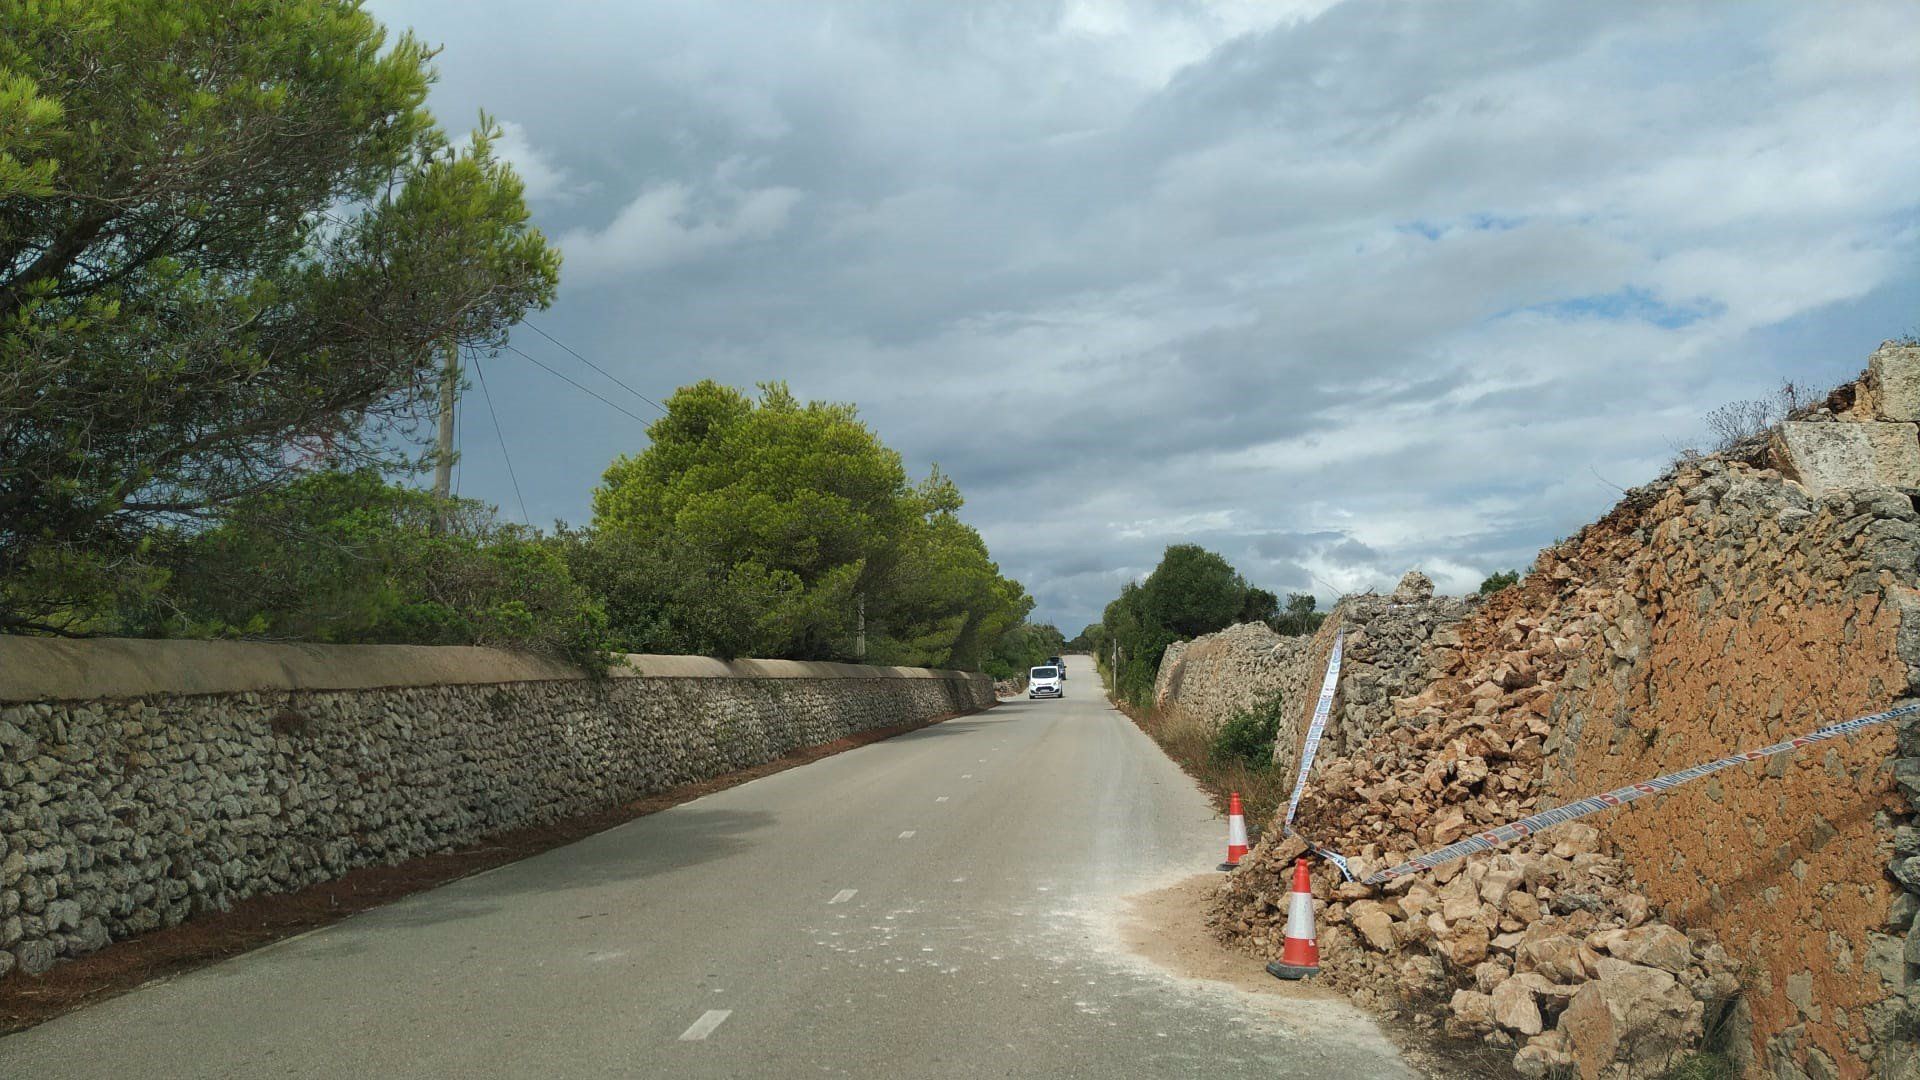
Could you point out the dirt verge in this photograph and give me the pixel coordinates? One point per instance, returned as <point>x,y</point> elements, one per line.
<point>261,920</point>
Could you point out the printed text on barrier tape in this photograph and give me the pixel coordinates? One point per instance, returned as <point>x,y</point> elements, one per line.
<point>1593,804</point>
<point>1321,710</point>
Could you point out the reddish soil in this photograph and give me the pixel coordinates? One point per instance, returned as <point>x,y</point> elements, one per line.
<point>261,920</point>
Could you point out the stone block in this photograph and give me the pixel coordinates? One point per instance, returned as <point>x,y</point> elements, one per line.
<point>1896,374</point>
<point>1896,453</point>
<point>1843,456</point>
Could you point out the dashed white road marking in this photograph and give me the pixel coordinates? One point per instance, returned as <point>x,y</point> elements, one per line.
<point>704,1026</point>
<point>843,896</point>
<point>942,798</point>
<point>966,776</point>
<point>908,835</point>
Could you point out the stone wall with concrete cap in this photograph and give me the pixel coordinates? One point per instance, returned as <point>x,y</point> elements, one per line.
<point>55,669</point>
<point>142,782</point>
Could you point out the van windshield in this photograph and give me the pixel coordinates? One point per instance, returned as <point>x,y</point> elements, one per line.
<point>1044,673</point>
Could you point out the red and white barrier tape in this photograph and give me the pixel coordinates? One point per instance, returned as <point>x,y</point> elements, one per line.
<point>1593,804</point>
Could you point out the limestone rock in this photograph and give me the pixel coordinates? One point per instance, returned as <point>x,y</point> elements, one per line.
<point>1414,587</point>
<point>1655,945</point>
<point>1471,1013</point>
<point>1544,1056</point>
<point>1631,1020</point>
<point>1376,928</point>
<point>1514,1008</point>
<point>1844,457</point>
<point>1895,370</point>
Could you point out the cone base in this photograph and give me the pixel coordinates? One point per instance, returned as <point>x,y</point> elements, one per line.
<point>1228,866</point>
<point>1291,971</point>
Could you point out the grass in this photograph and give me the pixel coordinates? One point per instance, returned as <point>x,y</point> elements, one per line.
<point>1263,791</point>
<point>1705,1065</point>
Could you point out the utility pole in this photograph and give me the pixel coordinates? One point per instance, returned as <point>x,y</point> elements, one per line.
<point>449,388</point>
<point>860,637</point>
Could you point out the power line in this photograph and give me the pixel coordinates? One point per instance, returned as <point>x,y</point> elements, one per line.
<point>594,366</point>
<point>488,395</point>
<point>511,348</point>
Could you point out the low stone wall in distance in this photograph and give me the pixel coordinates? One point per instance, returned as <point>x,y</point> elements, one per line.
<point>144,781</point>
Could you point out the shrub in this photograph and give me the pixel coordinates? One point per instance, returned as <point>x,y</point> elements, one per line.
<point>346,557</point>
<point>1499,580</point>
<point>1247,738</point>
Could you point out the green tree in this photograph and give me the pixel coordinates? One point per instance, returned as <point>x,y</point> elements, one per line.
<point>1299,617</point>
<point>1194,591</point>
<point>770,490</point>
<point>1259,605</point>
<point>942,601</point>
<point>787,523</point>
<point>232,243</point>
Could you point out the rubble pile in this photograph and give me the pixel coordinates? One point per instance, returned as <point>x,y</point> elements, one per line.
<point>1745,598</point>
<point>1546,949</point>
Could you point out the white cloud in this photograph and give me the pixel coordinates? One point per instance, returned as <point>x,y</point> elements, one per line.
<point>544,180</point>
<point>1414,281</point>
<point>673,223</point>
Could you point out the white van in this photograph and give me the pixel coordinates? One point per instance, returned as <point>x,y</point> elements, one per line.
<point>1045,681</point>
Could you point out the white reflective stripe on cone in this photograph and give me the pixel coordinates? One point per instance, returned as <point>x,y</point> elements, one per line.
<point>1236,832</point>
<point>1300,916</point>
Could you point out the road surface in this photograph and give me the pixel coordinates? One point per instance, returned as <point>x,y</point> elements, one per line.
<point>942,904</point>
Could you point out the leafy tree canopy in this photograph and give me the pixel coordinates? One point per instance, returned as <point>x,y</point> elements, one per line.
<point>776,527</point>
<point>232,243</point>
<point>1194,591</point>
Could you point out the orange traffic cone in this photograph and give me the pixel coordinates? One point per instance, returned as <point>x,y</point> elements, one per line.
<point>1236,833</point>
<point>1300,955</point>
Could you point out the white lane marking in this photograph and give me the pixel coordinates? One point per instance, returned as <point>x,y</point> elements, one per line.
<point>908,835</point>
<point>966,776</point>
<point>942,798</point>
<point>843,896</point>
<point>704,1026</point>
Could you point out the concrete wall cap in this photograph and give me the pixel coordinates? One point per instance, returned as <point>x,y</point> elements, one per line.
<point>56,669</point>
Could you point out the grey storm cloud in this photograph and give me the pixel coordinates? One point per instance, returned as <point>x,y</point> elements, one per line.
<point>1332,288</point>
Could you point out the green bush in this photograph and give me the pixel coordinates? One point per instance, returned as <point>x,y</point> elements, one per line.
<point>1247,738</point>
<point>346,557</point>
<point>1499,580</point>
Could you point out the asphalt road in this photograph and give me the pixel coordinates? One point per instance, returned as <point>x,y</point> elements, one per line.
<point>942,904</point>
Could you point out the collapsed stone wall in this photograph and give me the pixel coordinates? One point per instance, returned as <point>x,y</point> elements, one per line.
<point>1744,599</point>
<point>139,806</point>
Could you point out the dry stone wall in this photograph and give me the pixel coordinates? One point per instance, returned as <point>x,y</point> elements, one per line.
<point>1211,678</point>
<point>1741,600</point>
<point>126,805</point>
<point>1387,656</point>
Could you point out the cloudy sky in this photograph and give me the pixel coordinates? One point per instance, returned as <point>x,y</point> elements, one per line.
<point>1335,289</point>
